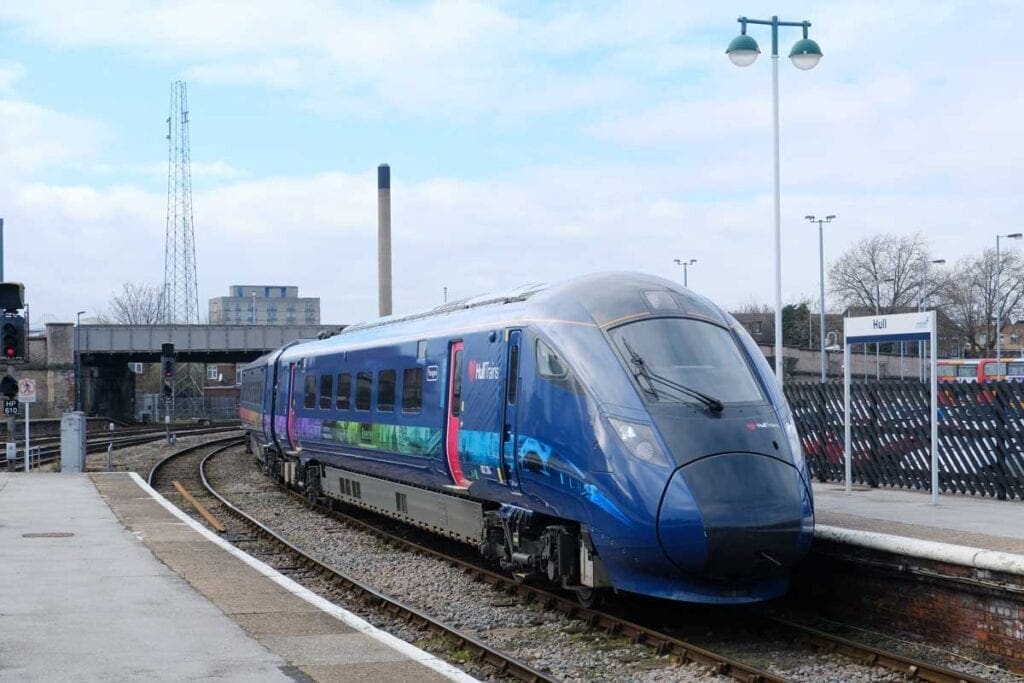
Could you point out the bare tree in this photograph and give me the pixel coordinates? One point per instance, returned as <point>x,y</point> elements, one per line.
<point>883,269</point>
<point>970,298</point>
<point>137,304</point>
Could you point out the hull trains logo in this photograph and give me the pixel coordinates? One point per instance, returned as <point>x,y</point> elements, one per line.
<point>484,370</point>
<point>762,425</point>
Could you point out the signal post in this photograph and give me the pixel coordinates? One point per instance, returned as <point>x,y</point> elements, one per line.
<point>13,351</point>
<point>167,371</point>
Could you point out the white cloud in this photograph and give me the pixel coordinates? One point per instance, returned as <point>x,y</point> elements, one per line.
<point>35,137</point>
<point>539,224</point>
<point>10,73</point>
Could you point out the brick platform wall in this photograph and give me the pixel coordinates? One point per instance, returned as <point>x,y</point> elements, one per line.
<point>942,602</point>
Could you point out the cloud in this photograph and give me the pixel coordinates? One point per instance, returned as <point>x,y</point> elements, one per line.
<point>36,137</point>
<point>10,73</point>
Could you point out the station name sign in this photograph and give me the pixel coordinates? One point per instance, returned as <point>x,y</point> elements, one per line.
<point>889,328</point>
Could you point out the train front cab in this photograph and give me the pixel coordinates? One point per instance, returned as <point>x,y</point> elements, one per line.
<point>713,505</point>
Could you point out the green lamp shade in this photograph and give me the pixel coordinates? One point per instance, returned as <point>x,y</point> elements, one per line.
<point>743,50</point>
<point>805,54</point>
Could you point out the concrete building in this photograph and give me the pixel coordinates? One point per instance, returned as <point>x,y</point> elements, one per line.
<point>264,305</point>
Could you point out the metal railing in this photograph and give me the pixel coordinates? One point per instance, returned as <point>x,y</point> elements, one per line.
<point>981,434</point>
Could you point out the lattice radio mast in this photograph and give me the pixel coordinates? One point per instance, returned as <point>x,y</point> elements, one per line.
<point>181,295</point>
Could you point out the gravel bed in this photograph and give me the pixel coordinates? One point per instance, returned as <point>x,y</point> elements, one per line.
<point>547,641</point>
<point>140,459</point>
<point>966,660</point>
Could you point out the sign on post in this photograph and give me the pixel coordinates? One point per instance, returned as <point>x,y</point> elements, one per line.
<point>898,327</point>
<point>10,407</point>
<point>27,390</point>
<point>27,395</point>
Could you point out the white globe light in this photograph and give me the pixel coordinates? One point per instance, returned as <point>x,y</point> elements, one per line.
<point>805,54</point>
<point>743,57</point>
<point>805,62</point>
<point>743,50</point>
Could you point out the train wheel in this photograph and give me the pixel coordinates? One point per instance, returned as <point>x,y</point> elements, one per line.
<point>591,598</point>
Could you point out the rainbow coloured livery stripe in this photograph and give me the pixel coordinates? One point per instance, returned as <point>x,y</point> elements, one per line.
<point>615,433</point>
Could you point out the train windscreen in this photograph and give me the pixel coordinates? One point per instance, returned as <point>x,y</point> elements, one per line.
<point>688,353</point>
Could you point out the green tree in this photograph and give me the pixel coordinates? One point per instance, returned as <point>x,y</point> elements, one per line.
<point>795,324</point>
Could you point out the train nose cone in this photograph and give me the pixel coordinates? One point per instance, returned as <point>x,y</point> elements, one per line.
<point>733,515</point>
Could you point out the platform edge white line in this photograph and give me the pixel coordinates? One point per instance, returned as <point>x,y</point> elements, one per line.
<point>411,651</point>
<point>979,558</point>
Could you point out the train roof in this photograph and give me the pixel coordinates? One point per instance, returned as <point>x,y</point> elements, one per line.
<point>600,300</point>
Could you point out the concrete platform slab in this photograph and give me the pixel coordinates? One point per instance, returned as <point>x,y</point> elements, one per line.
<point>975,533</point>
<point>103,580</point>
<point>959,520</point>
<point>97,605</point>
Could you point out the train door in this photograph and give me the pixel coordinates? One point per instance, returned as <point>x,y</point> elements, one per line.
<point>453,417</point>
<point>293,440</point>
<point>510,413</point>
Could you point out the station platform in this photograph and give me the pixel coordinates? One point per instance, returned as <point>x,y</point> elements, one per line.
<point>960,529</point>
<point>103,579</point>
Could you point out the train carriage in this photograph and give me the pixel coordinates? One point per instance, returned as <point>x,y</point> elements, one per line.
<point>616,431</point>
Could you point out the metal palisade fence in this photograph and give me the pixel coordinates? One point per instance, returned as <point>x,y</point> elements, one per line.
<point>981,434</point>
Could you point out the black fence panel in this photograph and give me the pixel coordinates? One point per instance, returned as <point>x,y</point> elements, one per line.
<point>981,434</point>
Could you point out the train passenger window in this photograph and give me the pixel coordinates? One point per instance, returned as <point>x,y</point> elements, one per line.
<point>421,351</point>
<point>310,397</point>
<point>385,391</point>
<point>326,390</point>
<point>344,390</point>
<point>457,386</point>
<point>412,390</point>
<point>549,364</point>
<point>364,384</point>
<point>513,375</point>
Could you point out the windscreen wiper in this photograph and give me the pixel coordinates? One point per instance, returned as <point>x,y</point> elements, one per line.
<point>711,402</point>
<point>640,369</point>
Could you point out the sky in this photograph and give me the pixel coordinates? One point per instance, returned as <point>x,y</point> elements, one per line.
<point>528,141</point>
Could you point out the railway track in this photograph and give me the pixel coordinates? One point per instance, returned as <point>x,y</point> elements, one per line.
<point>271,544</point>
<point>49,447</point>
<point>662,642</point>
<point>187,468</point>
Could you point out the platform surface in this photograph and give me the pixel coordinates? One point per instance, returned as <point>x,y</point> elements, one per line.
<point>99,581</point>
<point>959,520</point>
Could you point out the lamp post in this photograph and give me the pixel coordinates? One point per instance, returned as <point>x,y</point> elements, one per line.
<point>685,265</point>
<point>805,54</point>
<point>78,360</point>
<point>922,304</point>
<point>999,301</point>
<point>821,275</point>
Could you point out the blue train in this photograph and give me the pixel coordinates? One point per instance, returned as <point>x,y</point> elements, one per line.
<point>614,432</point>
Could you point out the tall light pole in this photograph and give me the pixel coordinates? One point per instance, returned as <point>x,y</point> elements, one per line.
<point>685,265</point>
<point>805,54</point>
<point>999,301</point>
<point>821,275</point>
<point>78,360</point>
<point>922,304</point>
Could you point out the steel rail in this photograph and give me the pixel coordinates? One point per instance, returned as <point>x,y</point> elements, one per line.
<point>163,462</point>
<point>504,664</point>
<point>51,453</point>
<point>662,642</point>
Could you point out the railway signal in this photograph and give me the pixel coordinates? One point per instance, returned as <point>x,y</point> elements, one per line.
<point>12,336</point>
<point>167,370</point>
<point>13,342</point>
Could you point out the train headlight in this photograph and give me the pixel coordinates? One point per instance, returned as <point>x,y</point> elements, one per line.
<point>793,436</point>
<point>640,441</point>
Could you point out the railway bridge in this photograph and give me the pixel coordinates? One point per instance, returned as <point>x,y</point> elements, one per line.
<point>105,352</point>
